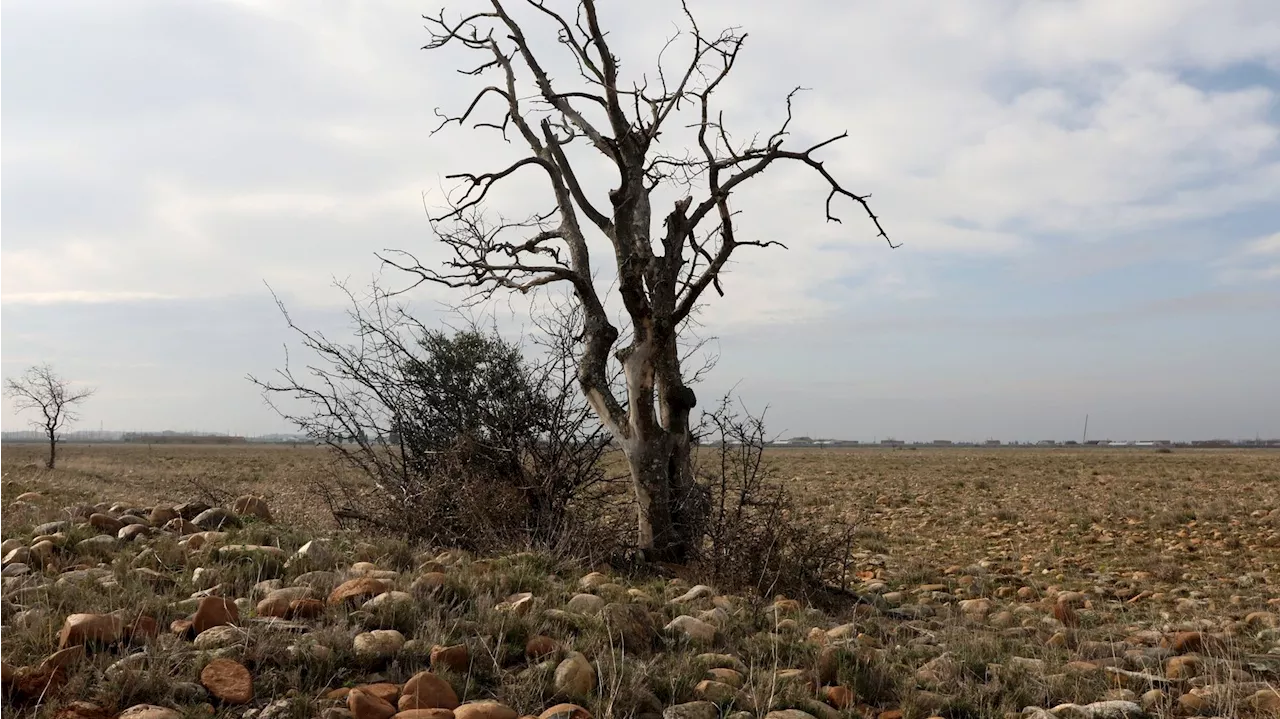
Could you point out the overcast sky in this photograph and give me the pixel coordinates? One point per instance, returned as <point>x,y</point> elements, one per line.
<point>1087,193</point>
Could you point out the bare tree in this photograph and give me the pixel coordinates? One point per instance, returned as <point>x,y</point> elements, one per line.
<point>40,388</point>
<point>664,264</point>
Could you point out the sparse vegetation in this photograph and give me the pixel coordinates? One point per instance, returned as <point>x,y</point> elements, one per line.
<point>955,614</point>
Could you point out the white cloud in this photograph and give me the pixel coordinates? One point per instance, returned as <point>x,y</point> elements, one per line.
<point>201,148</point>
<point>1269,245</point>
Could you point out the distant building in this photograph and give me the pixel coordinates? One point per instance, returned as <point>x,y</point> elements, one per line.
<point>182,438</point>
<point>892,442</point>
<point>992,443</point>
<point>942,442</point>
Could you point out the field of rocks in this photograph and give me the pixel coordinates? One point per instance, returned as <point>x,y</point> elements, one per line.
<point>167,582</point>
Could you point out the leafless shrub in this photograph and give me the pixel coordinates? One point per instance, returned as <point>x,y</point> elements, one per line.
<point>756,535</point>
<point>456,437</point>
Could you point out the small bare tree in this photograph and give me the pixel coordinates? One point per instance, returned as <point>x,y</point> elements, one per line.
<point>40,388</point>
<point>664,264</point>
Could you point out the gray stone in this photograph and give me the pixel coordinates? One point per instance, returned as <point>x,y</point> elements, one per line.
<point>692,710</point>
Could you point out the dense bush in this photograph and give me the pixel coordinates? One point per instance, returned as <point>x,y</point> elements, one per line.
<point>456,436</point>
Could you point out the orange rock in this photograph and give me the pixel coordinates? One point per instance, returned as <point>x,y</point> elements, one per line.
<point>149,711</point>
<point>252,506</point>
<point>828,665</point>
<point>565,711</point>
<point>891,714</point>
<point>726,676</point>
<point>386,691</point>
<point>839,697</point>
<point>1182,667</point>
<point>228,681</point>
<point>424,714</point>
<point>428,691</point>
<point>1189,642</point>
<point>214,612</point>
<point>276,606</point>
<point>90,628</point>
<point>1066,614</point>
<point>339,693</point>
<point>82,710</point>
<point>455,658</point>
<point>364,705</point>
<point>358,589</point>
<point>142,629</point>
<point>64,658</point>
<point>484,710</point>
<point>181,627</point>
<point>305,609</point>
<point>37,682</point>
<point>540,646</point>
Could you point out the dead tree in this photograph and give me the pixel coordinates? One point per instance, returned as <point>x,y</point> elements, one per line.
<point>664,263</point>
<point>40,388</point>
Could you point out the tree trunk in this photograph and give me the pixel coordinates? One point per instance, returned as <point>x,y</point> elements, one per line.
<point>53,449</point>
<point>663,478</point>
<point>659,454</point>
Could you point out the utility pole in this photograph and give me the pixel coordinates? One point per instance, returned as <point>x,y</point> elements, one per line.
<point>1084,438</point>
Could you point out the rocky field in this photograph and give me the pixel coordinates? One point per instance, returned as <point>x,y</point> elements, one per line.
<point>987,584</point>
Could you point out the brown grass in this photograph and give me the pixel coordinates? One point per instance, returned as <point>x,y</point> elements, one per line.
<point>1051,511</point>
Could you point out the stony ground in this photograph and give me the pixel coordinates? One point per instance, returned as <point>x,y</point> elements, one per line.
<point>1030,585</point>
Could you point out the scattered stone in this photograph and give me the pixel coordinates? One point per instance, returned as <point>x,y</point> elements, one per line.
<point>976,609</point>
<point>213,519</point>
<point>81,629</point>
<point>305,609</point>
<point>575,676</point>
<point>840,697</point>
<point>64,658</point>
<point>227,680</point>
<point>693,710</point>
<point>424,714</point>
<point>693,628</point>
<point>714,691</point>
<point>105,523</point>
<point>454,658</point>
<point>789,714</point>
<point>149,711</point>
<point>540,646</point>
<point>484,710</point>
<point>697,592</point>
<point>389,600</point>
<point>630,625</point>
<point>1264,700</point>
<point>517,604</point>
<point>248,505</point>
<point>278,602</point>
<point>593,580</point>
<point>565,711</point>
<point>427,691</point>
<point>727,676</point>
<point>364,705</point>
<point>722,661</point>
<point>219,637</point>
<point>588,604</point>
<point>359,589</point>
<point>313,555</point>
<point>379,643</point>
<point>214,612</point>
